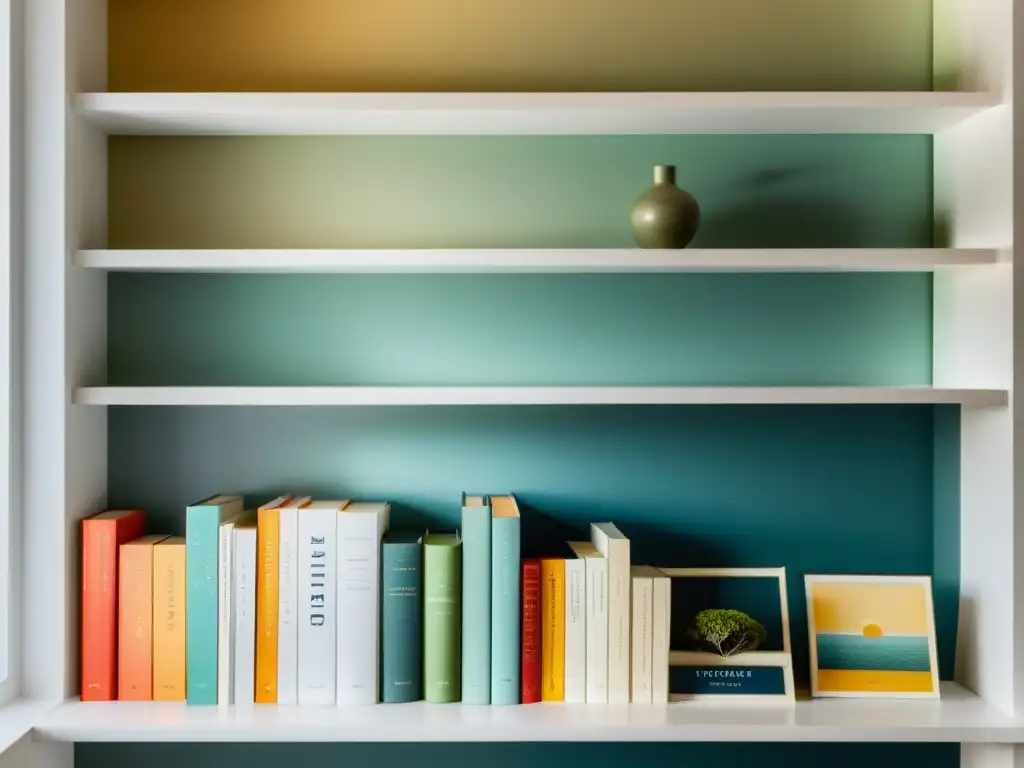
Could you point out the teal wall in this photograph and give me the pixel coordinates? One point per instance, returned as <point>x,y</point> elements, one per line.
<point>518,755</point>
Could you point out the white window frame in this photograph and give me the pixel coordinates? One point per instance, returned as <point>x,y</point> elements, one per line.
<point>11,35</point>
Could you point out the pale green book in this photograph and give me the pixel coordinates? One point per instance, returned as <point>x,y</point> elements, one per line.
<point>476,600</point>
<point>442,617</point>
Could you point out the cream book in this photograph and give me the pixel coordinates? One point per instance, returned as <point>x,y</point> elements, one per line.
<point>361,526</point>
<point>288,601</point>
<point>575,631</point>
<point>244,605</point>
<point>615,547</point>
<point>596,568</point>
<point>318,619</point>
<point>225,614</point>
<point>661,632</point>
<point>642,644</point>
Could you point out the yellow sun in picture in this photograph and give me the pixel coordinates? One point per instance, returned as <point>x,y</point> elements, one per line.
<point>872,630</point>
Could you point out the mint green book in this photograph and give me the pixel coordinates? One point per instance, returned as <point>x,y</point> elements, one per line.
<point>476,600</point>
<point>506,644</point>
<point>442,617</point>
<point>202,534</point>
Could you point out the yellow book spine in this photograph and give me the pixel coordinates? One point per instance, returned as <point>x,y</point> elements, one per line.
<point>169,620</point>
<point>552,617</point>
<point>268,536</point>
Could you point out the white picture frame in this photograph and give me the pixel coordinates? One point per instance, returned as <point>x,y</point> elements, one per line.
<point>778,659</point>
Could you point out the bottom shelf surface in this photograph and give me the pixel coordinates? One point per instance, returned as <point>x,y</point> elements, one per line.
<point>959,716</point>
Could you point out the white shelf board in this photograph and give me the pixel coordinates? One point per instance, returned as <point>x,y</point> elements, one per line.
<point>959,716</point>
<point>530,113</point>
<point>500,395</point>
<point>539,260</point>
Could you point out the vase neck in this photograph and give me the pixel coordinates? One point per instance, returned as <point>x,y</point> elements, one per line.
<point>664,174</point>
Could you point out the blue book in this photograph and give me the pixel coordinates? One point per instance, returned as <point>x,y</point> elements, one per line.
<point>476,600</point>
<point>202,533</point>
<point>401,635</point>
<point>506,644</point>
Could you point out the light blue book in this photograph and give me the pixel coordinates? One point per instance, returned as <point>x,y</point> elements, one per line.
<point>476,600</point>
<point>202,532</point>
<point>506,645</point>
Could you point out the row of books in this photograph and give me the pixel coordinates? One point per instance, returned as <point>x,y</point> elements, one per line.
<point>314,602</point>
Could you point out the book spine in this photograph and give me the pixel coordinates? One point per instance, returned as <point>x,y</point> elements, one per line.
<point>642,639</point>
<point>99,610</point>
<point>661,631</point>
<point>246,579</point>
<point>597,630</point>
<point>476,605</point>
<point>225,668</point>
<point>318,542</point>
<point>531,672</point>
<point>552,617</point>
<point>402,624</point>
<point>619,588</point>
<point>268,531</point>
<point>169,639</point>
<point>135,620</point>
<point>442,624</point>
<point>287,618</point>
<point>506,601</point>
<point>575,631</point>
<point>358,610</point>
<point>202,526</point>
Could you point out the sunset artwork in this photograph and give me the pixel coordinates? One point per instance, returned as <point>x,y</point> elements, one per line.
<point>872,636</point>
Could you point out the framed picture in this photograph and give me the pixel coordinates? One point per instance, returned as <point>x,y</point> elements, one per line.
<point>760,676</point>
<point>872,636</point>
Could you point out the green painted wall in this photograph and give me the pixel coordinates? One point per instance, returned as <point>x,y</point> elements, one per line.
<point>513,192</point>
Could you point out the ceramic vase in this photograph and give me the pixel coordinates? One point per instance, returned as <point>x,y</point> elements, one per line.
<point>665,216</point>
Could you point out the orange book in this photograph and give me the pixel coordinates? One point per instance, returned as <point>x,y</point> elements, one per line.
<point>102,534</point>
<point>552,635</point>
<point>169,619</point>
<point>135,619</point>
<point>268,543</point>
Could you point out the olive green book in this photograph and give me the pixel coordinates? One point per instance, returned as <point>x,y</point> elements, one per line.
<point>442,617</point>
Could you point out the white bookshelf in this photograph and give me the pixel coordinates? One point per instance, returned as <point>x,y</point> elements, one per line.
<point>541,260</point>
<point>525,396</point>
<point>960,717</point>
<point>529,113</point>
<point>977,296</point>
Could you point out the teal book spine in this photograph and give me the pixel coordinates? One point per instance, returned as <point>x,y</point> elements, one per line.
<point>202,535</point>
<point>506,644</point>
<point>402,619</point>
<point>476,601</point>
<point>202,528</point>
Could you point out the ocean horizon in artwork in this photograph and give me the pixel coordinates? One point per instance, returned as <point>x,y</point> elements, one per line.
<point>889,653</point>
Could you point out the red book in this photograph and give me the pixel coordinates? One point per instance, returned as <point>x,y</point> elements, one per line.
<point>531,631</point>
<point>102,535</point>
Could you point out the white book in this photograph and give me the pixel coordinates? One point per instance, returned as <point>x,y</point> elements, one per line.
<point>575,631</point>
<point>288,601</point>
<point>661,631</point>
<point>597,620</point>
<point>615,547</point>
<point>225,614</point>
<point>244,603</point>
<point>361,526</point>
<point>640,678</point>
<point>318,579</point>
